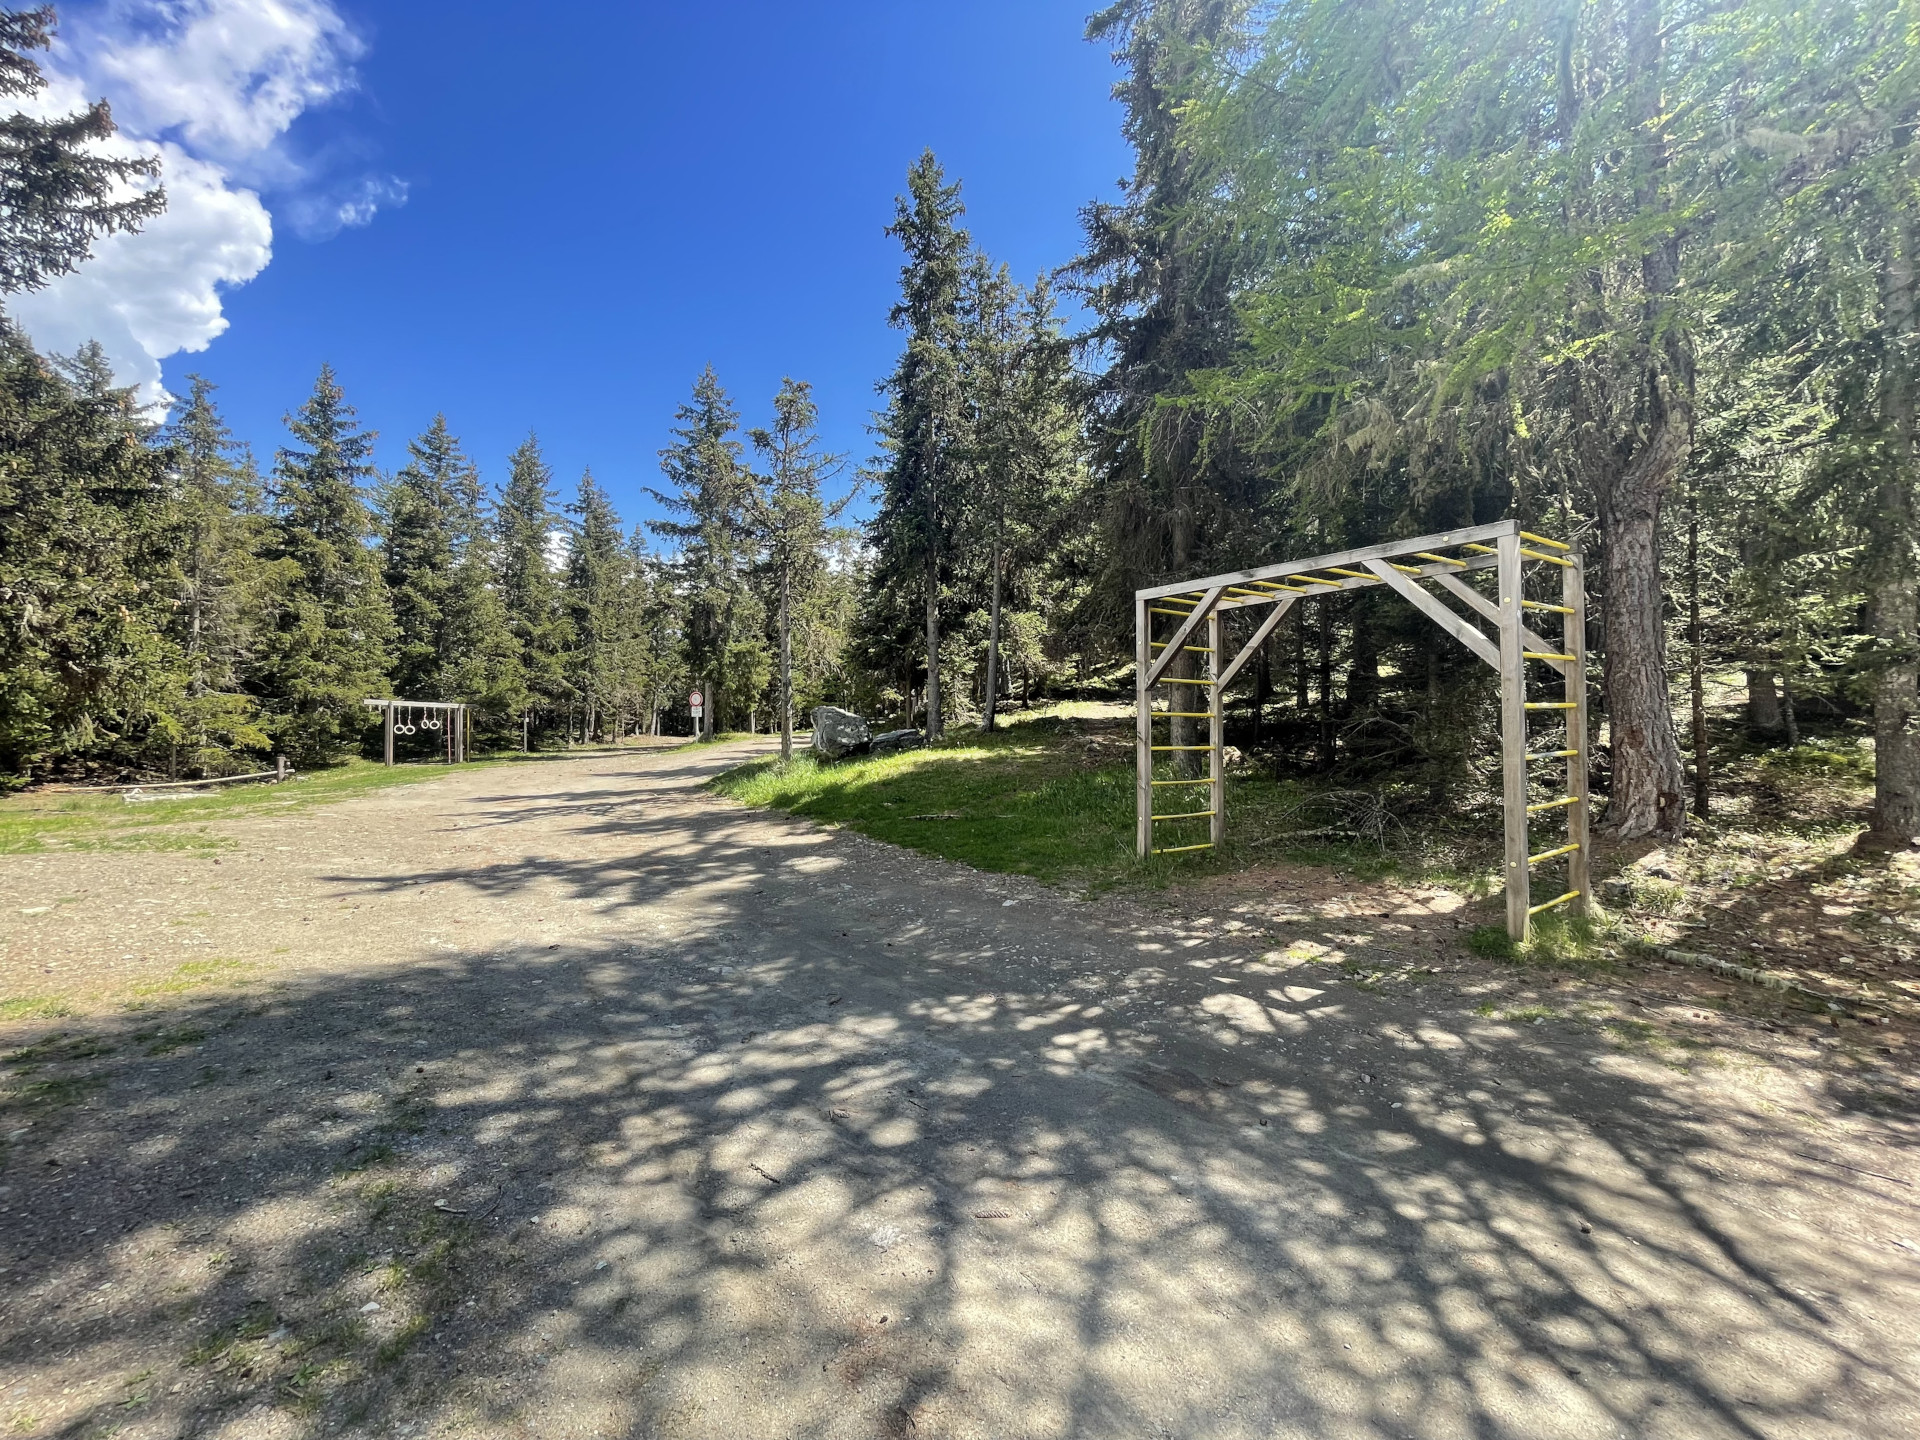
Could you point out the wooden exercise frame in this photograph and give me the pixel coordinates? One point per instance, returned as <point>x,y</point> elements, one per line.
<point>454,736</point>
<point>1503,548</point>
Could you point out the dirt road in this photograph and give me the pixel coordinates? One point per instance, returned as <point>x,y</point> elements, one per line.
<point>563,1100</point>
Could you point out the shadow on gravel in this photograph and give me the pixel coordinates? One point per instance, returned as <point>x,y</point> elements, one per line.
<point>752,1184</point>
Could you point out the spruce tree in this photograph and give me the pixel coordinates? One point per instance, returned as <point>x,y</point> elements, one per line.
<point>217,500</point>
<point>923,429</point>
<point>327,645</point>
<point>592,598</point>
<point>790,526</point>
<point>712,492</point>
<point>524,524</point>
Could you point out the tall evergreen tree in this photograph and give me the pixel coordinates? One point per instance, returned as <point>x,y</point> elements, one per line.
<point>923,428</point>
<point>327,646</point>
<point>790,526</point>
<point>524,524</point>
<point>59,188</point>
<point>593,597</point>
<point>712,491</point>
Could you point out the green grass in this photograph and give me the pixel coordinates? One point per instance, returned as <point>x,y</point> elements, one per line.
<point>34,1007</point>
<point>1032,800</point>
<point>71,820</point>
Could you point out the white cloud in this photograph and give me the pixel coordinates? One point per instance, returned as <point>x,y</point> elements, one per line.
<point>213,86</point>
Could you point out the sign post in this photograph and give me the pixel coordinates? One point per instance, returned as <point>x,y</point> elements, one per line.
<point>696,702</point>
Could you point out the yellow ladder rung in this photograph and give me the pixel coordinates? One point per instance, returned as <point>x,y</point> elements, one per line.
<point>1542,605</point>
<point>1550,559</point>
<point>1180,747</point>
<point>1176,614</point>
<point>1180,782</point>
<point>1543,540</point>
<point>1276,585</point>
<point>1170,680</point>
<point>1176,849</point>
<point>1557,900</point>
<point>1352,574</point>
<point>1542,655</point>
<point>1197,649</point>
<point>1438,559</point>
<point>1184,714</point>
<point>1481,549</point>
<point>1316,580</point>
<point>1406,569</point>
<point>1189,815</point>
<point>1543,754</point>
<point>1553,804</point>
<point>1551,704</point>
<point>1546,855</point>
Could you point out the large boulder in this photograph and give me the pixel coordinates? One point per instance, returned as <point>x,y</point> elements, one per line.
<point>890,742</point>
<point>838,733</point>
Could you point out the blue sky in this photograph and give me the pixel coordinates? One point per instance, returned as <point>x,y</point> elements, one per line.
<point>554,228</point>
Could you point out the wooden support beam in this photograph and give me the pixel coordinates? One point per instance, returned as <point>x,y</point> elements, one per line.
<point>1468,635</point>
<point>1259,638</point>
<point>1452,539</point>
<point>1453,585</point>
<point>1217,736</point>
<point>1182,635</point>
<point>1513,737</point>
<point>1143,731</point>
<point>1573,595</point>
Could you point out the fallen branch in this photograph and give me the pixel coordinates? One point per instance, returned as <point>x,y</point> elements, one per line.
<point>1766,978</point>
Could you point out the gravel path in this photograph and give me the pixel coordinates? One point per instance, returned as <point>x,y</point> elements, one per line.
<point>564,1100</point>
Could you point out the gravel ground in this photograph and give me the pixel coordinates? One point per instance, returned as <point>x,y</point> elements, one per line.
<point>563,1100</point>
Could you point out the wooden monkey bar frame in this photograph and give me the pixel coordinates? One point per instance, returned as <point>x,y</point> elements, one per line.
<point>453,736</point>
<point>1503,548</point>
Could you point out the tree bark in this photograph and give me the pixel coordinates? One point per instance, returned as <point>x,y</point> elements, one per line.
<point>993,640</point>
<point>1649,780</point>
<point>1763,702</point>
<point>786,663</point>
<point>933,648</point>
<point>1894,597</point>
<point>1696,666</point>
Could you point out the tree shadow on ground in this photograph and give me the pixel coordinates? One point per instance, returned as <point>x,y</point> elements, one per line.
<point>833,1162</point>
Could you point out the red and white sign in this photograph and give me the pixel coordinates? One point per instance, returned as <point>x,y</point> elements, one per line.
<point>696,700</point>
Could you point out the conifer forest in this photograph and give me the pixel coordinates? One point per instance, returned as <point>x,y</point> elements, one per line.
<point>1641,276</point>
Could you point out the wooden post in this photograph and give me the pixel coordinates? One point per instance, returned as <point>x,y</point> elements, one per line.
<point>1574,596</point>
<point>1513,734</point>
<point>279,768</point>
<point>1217,734</point>
<point>388,707</point>
<point>1143,731</point>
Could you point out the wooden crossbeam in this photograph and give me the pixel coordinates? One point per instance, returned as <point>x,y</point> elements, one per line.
<point>1468,635</point>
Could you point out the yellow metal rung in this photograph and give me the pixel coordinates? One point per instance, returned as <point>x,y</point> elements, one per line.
<point>1176,849</point>
<point>1540,754</point>
<point>1543,540</point>
<point>1481,549</point>
<point>1553,804</point>
<point>1176,614</point>
<point>1550,559</point>
<point>1557,900</point>
<point>1276,585</point>
<point>1197,649</point>
<point>1183,714</point>
<point>1542,605</point>
<point>1438,559</point>
<point>1406,569</point>
<point>1542,655</point>
<point>1551,704</point>
<point>1171,680</point>
<point>1180,782</point>
<point>1316,580</point>
<point>1351,574</point>
<point>1180,747</point>
<point>1546,855</point>
<point>1188,815</point>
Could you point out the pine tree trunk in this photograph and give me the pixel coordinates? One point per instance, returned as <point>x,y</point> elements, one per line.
<point>1649,781</point>
<point>1789,719</point>
<point>1763,702</point>
<point>933,649</point>
<point>786,663</point>
<point>1696,666</point>
<point>1894,597</point>
<point>1327,755</point>
<point>993,641</point>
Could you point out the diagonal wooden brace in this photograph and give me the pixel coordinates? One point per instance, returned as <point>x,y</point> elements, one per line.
<point>1266,628</point>
<point>1487,608</point>
<point>1193,622</point>
<point>1468,635</point>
